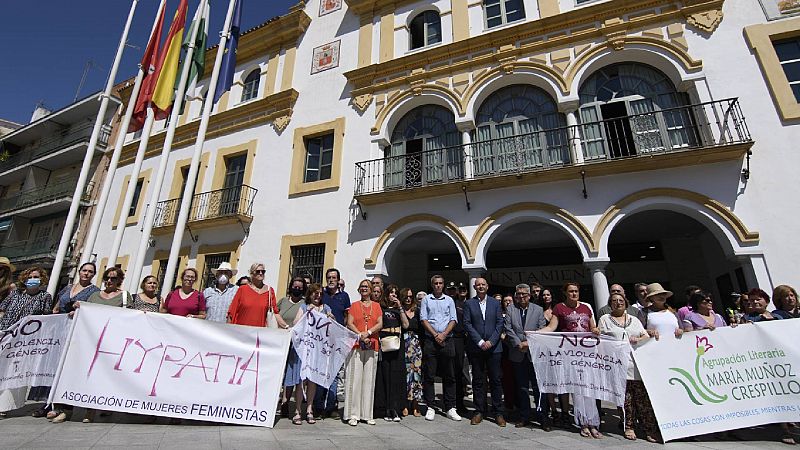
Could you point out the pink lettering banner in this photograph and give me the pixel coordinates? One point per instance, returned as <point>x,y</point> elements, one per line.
<point>164,365</point>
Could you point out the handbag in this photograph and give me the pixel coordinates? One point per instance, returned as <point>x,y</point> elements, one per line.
<point>272,322</point>
<point>390,343</point>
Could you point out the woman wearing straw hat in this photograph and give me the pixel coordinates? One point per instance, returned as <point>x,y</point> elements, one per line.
<point>661,322</point>
<point>220,295</point>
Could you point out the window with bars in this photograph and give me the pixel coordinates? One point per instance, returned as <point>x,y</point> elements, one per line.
<point>212,262</point>
<point>319,158</point>
<point>788,51</point>
<point>499,12</point>
<point>307,260</point>
<point>162,271</point>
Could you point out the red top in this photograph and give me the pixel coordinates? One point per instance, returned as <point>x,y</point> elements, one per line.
<point>366,318</point>
<point>178,306</point>
<point>572,320</point>
<point>250,308</point>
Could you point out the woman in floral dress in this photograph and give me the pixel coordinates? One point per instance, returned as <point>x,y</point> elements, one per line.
<point>413,349</point>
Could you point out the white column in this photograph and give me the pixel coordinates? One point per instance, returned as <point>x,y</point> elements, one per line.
<point>134,275</point>
<point>574,134</point>
<point>469,166</point>
<point>599,282</point>
<point>191,178</point>
<point>61,253</point>
<point>99,209</point>
<point>131,189</point>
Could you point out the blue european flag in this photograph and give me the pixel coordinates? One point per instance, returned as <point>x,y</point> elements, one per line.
<point>228,67</point>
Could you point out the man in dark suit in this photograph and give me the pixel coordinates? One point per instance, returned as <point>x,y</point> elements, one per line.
<point>483,324</point>
<point>525,316</point>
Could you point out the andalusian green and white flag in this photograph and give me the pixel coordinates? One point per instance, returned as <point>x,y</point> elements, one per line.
<point>198,61</point>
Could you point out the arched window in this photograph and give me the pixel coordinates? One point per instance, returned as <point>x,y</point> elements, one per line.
<point>632,108</point>
<point>499,12</point>
<point>425,149</point>
<point>519,127</point>
<point>250,90</point>
<point>426,29</point>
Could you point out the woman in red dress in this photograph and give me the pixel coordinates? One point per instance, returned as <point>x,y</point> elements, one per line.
<point>186,301</point>
<point>253,302</point>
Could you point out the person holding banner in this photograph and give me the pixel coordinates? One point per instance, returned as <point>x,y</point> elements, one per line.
<point>785,299</point>
<point>148,299</point>
<point>289,307</point>
<point>623,326</point>
<point>525,316</point>
<point>700,315</point>
<point>6,277</point>
<point>220,295</point>
<point>365,318</point>
<point>112,294</point>
<point>756,307</point>
<point>254,303</point>
<point>78,292</point>
<point>483,323</point>
<point>327,401</point>
<point>572,316</point>
<point>186,301</point>
<point>30,300</point>
<point>661,321</point>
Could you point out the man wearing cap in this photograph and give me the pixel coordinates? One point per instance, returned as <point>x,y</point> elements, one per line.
<point>219,297</point>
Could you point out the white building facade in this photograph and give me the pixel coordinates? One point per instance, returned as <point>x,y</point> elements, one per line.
<point>523,140</point>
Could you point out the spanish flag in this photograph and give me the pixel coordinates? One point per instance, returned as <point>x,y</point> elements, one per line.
<point>150,67</point>
<point>170,59</point>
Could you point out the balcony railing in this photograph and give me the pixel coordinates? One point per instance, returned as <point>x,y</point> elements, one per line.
<point>673,130</point>
<point>236,201</point>
<point>37,196</point>
<point>60,140</point>
<point>44,247</point>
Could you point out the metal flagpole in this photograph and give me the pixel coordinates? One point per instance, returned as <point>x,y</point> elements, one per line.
<point>97,217</point>
<point>87,160</point>
<point>131,190</point>
<point>191,178</point>
<point>150,213</point>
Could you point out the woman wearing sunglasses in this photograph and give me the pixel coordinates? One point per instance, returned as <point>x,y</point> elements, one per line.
<point>254,302</point>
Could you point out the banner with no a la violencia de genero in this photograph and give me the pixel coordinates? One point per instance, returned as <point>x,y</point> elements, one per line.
<point>322,345</point>
<point>163,365</point>
<point>725,379</point>
<point>30,350</point>
<point>580,363</point>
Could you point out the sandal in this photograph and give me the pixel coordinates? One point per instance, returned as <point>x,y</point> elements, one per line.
<point>788,439</point>
<point>585,432</point>
<point>297,420</point>
<point>310,419</point>
<point>53,414</point>
<point>630,435</point>
<point>651,439</point>
<point>595,433</point>
<point>405,412</point>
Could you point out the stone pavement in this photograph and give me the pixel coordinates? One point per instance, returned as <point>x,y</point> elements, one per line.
<point>21,431</point>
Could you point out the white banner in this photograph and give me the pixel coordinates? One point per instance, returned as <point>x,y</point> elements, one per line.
<point>580,363</point>
<point>30,350</point>
<point>164,365</point>
<point>725,379</point>
<point>322,345</point>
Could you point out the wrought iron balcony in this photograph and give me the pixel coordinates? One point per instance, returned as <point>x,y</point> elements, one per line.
<point>39,248</point>
<point>208,207</point>
<point>62,190</point>
<point>709,132</point>
<point>58,141</point>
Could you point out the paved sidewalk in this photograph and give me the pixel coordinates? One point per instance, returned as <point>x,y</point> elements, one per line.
<point>21,431</point>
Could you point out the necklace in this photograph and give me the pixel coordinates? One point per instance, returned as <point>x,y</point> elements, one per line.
<point>626,321</point>
<point>366,310</point>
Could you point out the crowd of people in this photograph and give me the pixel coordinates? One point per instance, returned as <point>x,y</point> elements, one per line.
<point>406,340</point>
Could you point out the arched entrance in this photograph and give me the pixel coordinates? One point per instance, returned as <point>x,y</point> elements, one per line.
<point>534,251</point>
<point>414,260</point>
<point>425,148</point>
<point>675,250</point>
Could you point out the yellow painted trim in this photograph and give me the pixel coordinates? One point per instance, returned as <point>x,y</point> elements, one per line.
<point>272,74</point>
<point>714,207</point>
<point>548,8</point>
<point>387,35</point>
<point>218,179</point>
<point>296,184</point>
<point>545,70</point>
<point>460,19</point>
<point>288,68</point>
<point>177,177</point>
<point>370,262</point>
<point>365,41</point>
<point>329,238</point>
<point>760,38</point>
<point>577,226</point>
<point>418,90</point>
<point>134,219</point>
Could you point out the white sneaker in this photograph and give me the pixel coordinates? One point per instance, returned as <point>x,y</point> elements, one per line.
<point>453,415</point>
<point>430,414</point>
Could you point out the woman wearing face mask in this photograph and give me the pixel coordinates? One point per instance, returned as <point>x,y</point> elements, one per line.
<point>148,300</point>
<point>32,299</point>
<point>288,307</point>
<point>220,296</point>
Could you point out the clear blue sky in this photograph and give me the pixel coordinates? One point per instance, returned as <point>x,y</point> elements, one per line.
<point>47,43</point>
